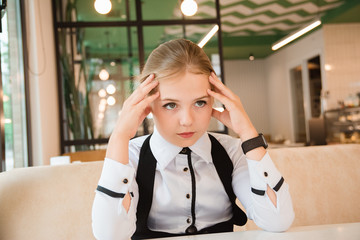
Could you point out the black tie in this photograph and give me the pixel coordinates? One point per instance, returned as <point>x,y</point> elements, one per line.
<point>191,229</point>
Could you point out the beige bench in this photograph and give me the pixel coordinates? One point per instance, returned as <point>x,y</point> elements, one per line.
<point>54,202</point>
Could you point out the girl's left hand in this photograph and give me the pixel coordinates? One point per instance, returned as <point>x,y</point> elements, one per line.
<point>234,115</point>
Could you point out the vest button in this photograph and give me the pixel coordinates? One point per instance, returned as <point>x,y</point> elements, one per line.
<point>186,169</point>
<point>191,230</point>
<point>187,196</point>
<point>188,220</point>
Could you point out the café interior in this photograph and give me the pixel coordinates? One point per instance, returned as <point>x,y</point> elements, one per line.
<point>67,67</point>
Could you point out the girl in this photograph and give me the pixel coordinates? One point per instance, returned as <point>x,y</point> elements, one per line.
<point>181,180</point>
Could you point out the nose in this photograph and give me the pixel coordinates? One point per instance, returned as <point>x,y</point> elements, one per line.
<point>186,117</point>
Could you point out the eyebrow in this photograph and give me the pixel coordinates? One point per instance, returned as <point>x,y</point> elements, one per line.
<point>175,100</point>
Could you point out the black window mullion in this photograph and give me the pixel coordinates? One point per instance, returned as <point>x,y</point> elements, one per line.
<point>139,24</point>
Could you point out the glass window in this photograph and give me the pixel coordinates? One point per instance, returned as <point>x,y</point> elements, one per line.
<point>107,47</point>
<point>152,10</point>
<point>84,11</point>
<point>98,66</point>
<point>155,35</point>
<point>13,88</point>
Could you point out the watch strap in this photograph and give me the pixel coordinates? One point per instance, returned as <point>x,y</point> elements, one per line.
<point>253,143</point>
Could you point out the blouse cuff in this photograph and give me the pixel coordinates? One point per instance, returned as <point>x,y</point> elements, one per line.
<point>263,173</point>
<point>116,177</point>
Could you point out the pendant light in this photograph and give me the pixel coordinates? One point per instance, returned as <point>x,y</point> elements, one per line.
<point>104,74</point>
<point>102,6</point>
<point>189,7</point>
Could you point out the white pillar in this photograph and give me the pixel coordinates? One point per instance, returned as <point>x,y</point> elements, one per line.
<point>42,81</point>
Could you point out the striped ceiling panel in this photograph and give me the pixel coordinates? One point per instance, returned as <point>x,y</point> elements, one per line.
<point>260,17</point>
<point>252,26</point>
<point>248,26</point>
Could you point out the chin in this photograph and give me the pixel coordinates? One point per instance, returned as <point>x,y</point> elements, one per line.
<point>187,142</point>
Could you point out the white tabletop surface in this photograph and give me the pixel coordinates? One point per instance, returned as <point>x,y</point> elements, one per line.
<point>346,231</point>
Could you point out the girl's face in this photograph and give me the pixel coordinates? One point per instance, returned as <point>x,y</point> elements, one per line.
<point>183,111</point>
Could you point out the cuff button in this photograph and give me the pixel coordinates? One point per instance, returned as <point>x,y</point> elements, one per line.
<point>125,181</point>
<point>266,174</point>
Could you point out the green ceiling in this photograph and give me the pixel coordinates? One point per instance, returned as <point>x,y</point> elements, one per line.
<point>249,26</point>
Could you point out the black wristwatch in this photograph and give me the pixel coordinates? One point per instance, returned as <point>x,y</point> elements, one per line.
<point>253,143</point>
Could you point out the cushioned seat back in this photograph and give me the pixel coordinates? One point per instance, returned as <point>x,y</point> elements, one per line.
<point>55,202</point>
<point>48,202</point>
<point>324,183</point>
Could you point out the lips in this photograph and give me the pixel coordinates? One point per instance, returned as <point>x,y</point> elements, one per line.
<point>186,134</point>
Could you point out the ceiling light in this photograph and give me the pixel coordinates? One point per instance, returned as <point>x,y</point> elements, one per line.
<point>104,74</point>
<point>111,101</point>
<point>102,93</point>
<point>102,6</point>
<point>103,101</point>
<point>102,107</point>
<point>110,89</point>
<point>101,115</point>
<point>295,35</point>
<point>5,98</point>
<point>208,36</point>
<point>328,67</point>
<point>251,57</point>
<point>189,7</point>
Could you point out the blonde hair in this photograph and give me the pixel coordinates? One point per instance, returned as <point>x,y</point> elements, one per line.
<point>174,57</point>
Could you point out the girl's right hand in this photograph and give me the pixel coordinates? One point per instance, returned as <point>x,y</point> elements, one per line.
<point>136,108</point>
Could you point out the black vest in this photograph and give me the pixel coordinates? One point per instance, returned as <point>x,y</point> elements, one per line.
<point>145,179</point>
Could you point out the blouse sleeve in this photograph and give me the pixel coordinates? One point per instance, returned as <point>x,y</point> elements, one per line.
<point>250,181</point>
<point>110,220</point>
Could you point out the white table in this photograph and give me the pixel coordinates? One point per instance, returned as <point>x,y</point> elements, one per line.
<point>346,231</point>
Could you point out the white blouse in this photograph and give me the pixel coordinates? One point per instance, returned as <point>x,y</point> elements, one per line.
<point>171,205</point>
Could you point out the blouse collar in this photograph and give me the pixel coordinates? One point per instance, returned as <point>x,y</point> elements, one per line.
<point>164,151</point>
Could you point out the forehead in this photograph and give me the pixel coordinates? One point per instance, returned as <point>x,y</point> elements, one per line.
<point>185,84</point>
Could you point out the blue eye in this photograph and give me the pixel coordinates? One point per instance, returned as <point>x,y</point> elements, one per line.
<point>170,106</point>
<point>200,103</point>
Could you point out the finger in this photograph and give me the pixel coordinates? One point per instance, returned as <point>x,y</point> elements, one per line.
<point>144,83</point>
<point>216,114</point>
<point>148,100</point>
<point>145,105</point>
<point>220,86</point>
<point>145,113</point>
<point>222,117</point>
<point>148,79</point>
<point>223,99</point>
<point>143,90</point>
<point>218,83</point>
